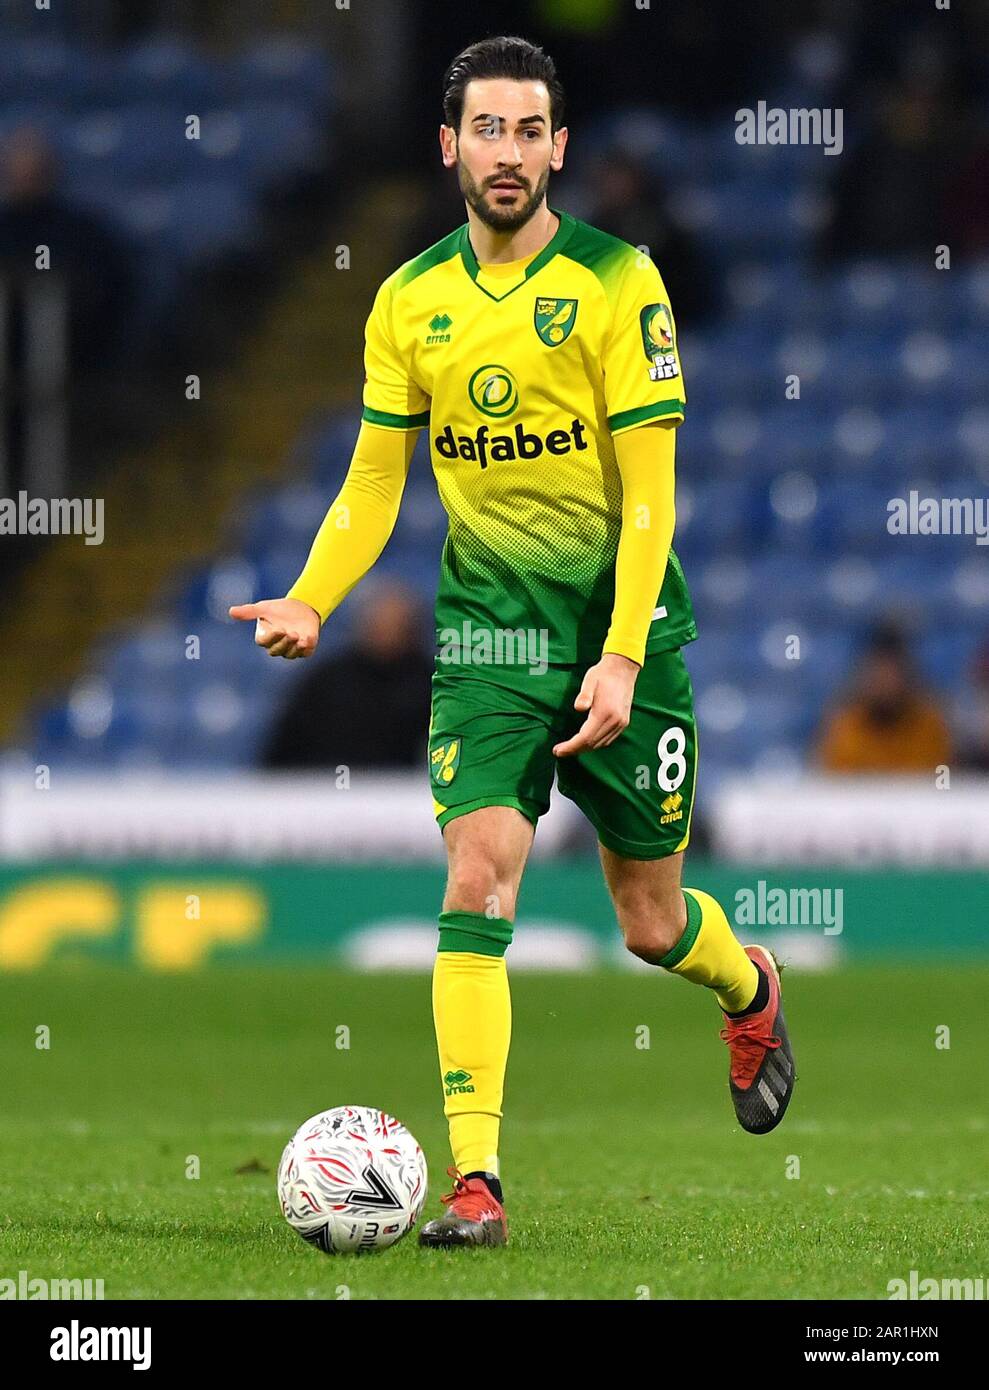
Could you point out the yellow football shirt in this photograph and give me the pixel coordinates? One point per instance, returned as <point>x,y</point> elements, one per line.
<point>523,375</point>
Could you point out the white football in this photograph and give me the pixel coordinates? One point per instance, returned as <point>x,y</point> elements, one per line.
<point>352,1178</point>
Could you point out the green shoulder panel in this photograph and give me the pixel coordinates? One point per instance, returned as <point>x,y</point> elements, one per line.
<point>607,256</point>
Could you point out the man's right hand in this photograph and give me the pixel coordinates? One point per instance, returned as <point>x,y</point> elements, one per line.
<point>285,626</point>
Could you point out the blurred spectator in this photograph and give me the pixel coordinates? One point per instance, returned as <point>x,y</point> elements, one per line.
<point>630,202</point>
<point>87,257</point>
<point>967,202</point>
<point>891,190</point>
<point>369,705</point>
<point>889,724</point>
<point>972,715</point>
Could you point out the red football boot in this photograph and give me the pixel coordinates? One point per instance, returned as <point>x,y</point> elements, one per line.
<point>475,1216</point>
<point>762,1072</point>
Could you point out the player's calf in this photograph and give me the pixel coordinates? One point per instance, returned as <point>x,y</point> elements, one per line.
<point>648,902</point>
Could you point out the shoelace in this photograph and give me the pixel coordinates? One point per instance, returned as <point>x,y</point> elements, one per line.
<point>748,1045</point>
<point>474,1206</point>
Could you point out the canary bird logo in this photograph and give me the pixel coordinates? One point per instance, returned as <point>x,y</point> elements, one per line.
<point>444,761</point>
<point>554,320</point>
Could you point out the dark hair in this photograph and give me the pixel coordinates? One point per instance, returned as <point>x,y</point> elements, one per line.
<point>514,58</point>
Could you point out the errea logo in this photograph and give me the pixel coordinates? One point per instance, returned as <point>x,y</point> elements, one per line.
<point>438,326</point>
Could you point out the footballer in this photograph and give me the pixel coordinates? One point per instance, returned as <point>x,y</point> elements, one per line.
<point>541,356</point>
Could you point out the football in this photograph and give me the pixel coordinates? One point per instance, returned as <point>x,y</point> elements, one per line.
<point>352,1179</point>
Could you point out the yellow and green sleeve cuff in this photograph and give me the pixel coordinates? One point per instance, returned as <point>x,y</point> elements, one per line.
<point>641,415</point>
<point>386,421</point>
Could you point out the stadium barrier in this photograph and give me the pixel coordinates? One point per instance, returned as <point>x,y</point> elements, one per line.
<point>383,916</point>
<point>354,815</point>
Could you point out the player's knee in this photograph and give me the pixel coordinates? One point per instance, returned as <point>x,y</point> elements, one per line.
<point>477,888</point>
<point>651,929</point>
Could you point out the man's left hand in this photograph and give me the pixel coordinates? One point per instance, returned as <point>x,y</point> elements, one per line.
<point>606,694</point>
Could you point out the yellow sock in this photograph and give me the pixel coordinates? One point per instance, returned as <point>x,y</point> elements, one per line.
<point>472,1013</point>
<point>710,954</point>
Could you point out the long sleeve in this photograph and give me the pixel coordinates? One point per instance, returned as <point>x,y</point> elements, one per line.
<point>360,520</point>
<point>646,463</point>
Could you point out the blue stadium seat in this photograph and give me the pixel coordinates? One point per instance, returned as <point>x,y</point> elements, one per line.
<point>283,67</point>
<point>331,446</point>
<point>199,218</point>
<point>945,657</point>
<point>290,518</point>
<point>29,65</point>
<point>259,144</point>
<point>168,68</point>
<point>734,222</point>
<point>145,142</point>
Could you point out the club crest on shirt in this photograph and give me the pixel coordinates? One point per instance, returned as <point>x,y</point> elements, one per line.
<point>554,319</point>
<point>444,761</point>
<point>656,323</point>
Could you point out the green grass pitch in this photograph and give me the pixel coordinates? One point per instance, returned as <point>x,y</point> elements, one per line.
<point>625,1172</point>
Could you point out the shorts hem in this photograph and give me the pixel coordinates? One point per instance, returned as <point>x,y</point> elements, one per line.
<point>530,809</point>
<point>628,849</point>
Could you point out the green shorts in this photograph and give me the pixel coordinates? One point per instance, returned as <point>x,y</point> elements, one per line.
<point>491,736</point>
